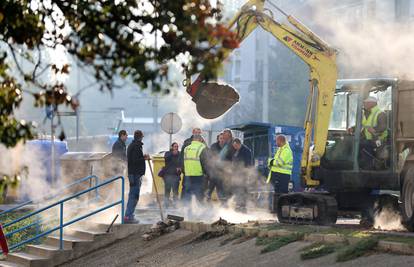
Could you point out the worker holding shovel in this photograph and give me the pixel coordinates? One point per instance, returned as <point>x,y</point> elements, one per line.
<point>136,170</point>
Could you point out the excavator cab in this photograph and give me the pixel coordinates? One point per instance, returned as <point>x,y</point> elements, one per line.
<point>344,151</point>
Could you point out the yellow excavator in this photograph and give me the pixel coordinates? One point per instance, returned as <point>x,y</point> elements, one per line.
<point>317,54</point>
<point>330,164</point>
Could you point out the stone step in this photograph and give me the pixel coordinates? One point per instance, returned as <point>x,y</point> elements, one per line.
<point>93,227</point>
<point>28,260</point>
<point>52,252</point>
<point>69,242</point>
<point>10,264</point>
<point>76,242</point>
<point>121,229</point>
<point>44,250</point>
<point>88,234</point>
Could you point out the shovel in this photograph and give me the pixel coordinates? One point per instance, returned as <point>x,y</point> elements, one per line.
<point>156,190</point>
<point>169,217</point>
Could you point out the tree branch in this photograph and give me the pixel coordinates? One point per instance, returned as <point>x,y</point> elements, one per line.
<point>39,60</point>
<point>15,60</point>
<point>43,70</point>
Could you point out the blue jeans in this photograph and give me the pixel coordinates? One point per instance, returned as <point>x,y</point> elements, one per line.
<point>196,187</point>
<point>133,197</point>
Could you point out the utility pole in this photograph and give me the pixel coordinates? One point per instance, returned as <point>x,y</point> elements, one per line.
<point>155,120</point>
<point>52,141</point>
<point>155,105</point>
<point>265,78</point>
<point>77,124</point>
<point>155,112</point>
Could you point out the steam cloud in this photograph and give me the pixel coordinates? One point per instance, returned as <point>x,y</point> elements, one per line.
<point>373,44</point>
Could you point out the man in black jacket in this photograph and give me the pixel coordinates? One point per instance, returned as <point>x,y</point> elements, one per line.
<point>242,156</point>
<point>226,157</point>
<point>215,170</point>
<point>119,157</point>
<point>242,161</point>
<point>172,172</point>
<point>119,147</point>
<point>136,169</point>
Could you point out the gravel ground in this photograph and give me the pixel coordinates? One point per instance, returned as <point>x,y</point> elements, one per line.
<point>175,249</point>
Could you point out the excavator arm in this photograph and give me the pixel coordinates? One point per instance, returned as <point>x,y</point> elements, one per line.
<point>317,54</point>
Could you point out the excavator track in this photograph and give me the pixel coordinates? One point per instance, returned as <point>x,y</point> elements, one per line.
<point>307,208</point>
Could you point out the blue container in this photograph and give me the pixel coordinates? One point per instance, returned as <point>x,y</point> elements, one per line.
<point>260,138</point>
<point>295,136</point>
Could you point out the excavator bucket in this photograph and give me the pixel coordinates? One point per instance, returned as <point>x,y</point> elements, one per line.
<point>213,99</point>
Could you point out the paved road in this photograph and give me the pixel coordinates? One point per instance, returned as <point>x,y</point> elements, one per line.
<point>176,250</point>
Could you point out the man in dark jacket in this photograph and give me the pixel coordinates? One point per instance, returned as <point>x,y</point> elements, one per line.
<point>186,183</point>
<point>119,147</point>
<point>172,174</point>
<point>226,157</point>
<point>119,157</point>
<point>242,161</point>
<point>228,151</point>
<point>136,169</point>
<point>215,170</point>
<point>242,156</point>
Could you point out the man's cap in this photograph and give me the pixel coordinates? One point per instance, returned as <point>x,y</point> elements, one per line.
<point>371,99</point>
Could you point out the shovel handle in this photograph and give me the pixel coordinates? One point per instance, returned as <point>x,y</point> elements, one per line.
<point>156,190</point>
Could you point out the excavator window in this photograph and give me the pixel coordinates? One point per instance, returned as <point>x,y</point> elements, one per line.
<point>340,144</point>
<point>344,111</point>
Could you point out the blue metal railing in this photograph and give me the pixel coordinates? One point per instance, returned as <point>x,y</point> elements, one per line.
<point>90,177</point>
<point>38,222</point>
<point>60,203</point>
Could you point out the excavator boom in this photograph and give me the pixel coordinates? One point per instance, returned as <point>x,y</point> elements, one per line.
<point>213,99</point>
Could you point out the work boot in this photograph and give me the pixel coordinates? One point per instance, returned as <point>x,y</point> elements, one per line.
<point>128,220</point>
